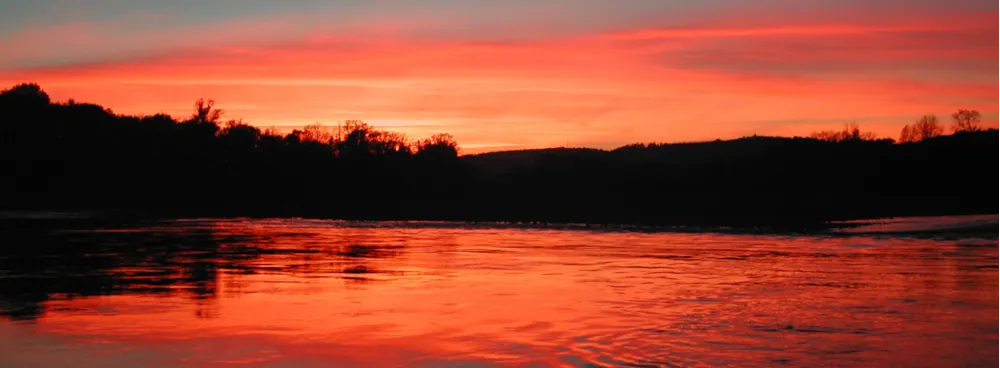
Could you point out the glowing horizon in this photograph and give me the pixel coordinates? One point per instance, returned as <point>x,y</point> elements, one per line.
<point>524,74</point>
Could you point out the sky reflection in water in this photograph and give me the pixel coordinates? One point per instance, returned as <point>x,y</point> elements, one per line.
<point>320,293</point>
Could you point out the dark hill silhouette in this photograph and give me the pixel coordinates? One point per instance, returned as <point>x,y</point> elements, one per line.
<point>492,163</point>
<point>83,156</point>
<point>752,180</point>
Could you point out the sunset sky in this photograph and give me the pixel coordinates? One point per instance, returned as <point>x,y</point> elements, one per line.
<point>519,73</point>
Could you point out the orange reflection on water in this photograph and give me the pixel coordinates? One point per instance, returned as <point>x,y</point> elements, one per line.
<point>322,293</point>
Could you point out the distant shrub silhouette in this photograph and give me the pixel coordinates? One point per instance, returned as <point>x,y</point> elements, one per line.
<point>441,145</point>
<point>925,128</point>
<point>851,132</point>
<point>966,121</point>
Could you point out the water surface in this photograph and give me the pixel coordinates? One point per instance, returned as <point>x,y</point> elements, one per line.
<point>308,293</point>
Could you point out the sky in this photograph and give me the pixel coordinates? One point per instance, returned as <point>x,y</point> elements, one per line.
<point>519,74</point>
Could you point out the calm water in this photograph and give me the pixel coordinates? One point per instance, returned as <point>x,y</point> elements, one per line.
<point>318,293</point>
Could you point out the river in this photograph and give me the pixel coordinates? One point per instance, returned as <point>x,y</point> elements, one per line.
<point>313,293</point>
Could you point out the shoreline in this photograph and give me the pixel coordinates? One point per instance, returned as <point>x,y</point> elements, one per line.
<point>963,224</point>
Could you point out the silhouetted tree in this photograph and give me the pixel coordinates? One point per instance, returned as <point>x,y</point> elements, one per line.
<point>317,133</point>
<point>237,135</point>
<point>966,121</point>
<point>383,143</point>
<point>271,131</point>
<point>354,139</point>
<point>851,132</point>
<point>26,93</point>
<point>438,145</point>
<point>926,127</point>
<point>160,121</point>
<point>906,135</point>
<point>205,112</point>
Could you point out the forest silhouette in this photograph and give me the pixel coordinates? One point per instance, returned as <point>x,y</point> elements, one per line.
<point>82,156</point>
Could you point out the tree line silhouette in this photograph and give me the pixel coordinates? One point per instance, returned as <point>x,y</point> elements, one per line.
<point>82,156</point>
<point>926,127</point>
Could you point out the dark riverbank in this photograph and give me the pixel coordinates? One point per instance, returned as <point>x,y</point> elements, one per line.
<point>937,227</point>
<point>82,156</point>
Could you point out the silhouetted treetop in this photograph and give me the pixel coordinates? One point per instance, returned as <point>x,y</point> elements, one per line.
<point>26,93</point>
<point>205,112</point>
<point>925,128</point>
<point>851,132</point>
<point>966,121</point>
<point>239,135</point>
<point>441,145</point>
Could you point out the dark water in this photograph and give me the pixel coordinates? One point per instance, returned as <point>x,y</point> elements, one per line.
<point>300,293</point>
